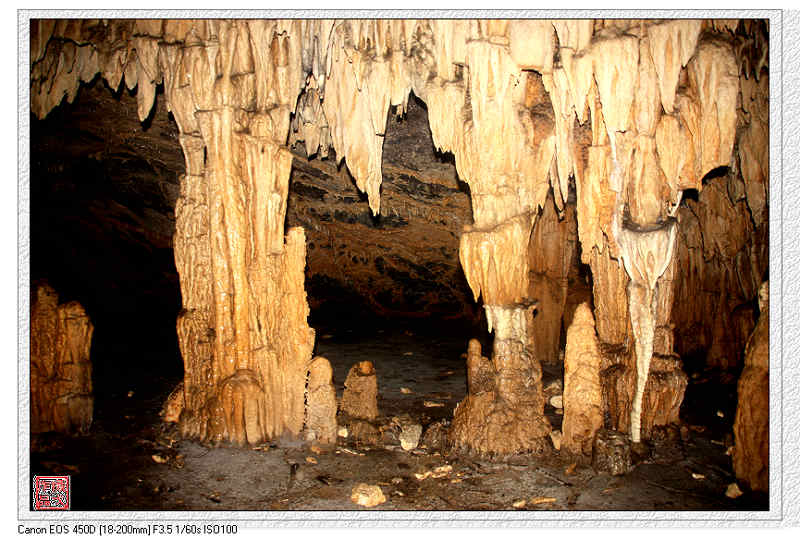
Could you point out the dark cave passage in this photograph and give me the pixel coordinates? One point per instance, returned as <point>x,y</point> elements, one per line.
<point>101,231</point>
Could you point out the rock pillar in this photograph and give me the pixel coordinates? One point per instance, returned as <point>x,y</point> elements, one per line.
<point>751,426</point>
<point>61,370</point>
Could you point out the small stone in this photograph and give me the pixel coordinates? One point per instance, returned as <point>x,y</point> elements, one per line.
<point>555,436</point>
<point>367,495</point>
<point>698,476</point>
<point>409,436</point>
<point>397,480</point>
<point>556,387</point>
<point>342,432</point>
<point>160,459</point>
<point>720,414</point>
<point>733,491</point>
<point>311,460</point>
<point>557,401</point>
<point>130,394</point>
<point>441,471</point>
<point>405,391</point>
<point>435,436</point>
<point>519,504</point>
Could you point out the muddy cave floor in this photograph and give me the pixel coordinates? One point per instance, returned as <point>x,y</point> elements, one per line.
<point>113,467</point>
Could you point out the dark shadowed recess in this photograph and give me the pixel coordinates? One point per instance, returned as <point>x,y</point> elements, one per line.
<point>101,227</point>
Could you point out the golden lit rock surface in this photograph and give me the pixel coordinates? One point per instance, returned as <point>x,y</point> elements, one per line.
<point>61,369</point>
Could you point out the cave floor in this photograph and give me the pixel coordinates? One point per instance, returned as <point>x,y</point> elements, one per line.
<point>133,461</point>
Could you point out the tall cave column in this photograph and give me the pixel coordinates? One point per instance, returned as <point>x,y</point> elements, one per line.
<point>243,331</point>
<point>507,415</point>
<point>508,182</point>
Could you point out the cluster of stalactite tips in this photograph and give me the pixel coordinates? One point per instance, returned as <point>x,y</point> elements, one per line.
<point>614,126</point>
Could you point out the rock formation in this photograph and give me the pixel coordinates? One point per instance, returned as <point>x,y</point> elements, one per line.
<point>751,426</point>
<point>552,262</point>
<point>508,415</point>
<point>627,115</point>
<point>583,398</point>
<point>611,452</point>
<point>321,402</point>
<point>360,397</point>
<point>61,369</point>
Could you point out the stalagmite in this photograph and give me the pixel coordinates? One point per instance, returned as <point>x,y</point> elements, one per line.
<point>321,402</point>
<point>61,370</point>
<point>480,371</point>
<point>360,397</point>
<point>583,412</point>
<point>751,426</point>
<point>508,418</point>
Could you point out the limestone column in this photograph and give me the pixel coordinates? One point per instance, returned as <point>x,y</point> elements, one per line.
<point>243,331</point>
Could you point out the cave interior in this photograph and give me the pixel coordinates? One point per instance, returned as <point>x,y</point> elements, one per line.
<point>402,264</point>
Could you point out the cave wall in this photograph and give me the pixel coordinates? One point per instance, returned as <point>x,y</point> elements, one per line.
<point>635,112</point>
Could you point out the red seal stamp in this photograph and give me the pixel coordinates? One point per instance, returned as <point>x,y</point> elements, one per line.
<point>51,492</point>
